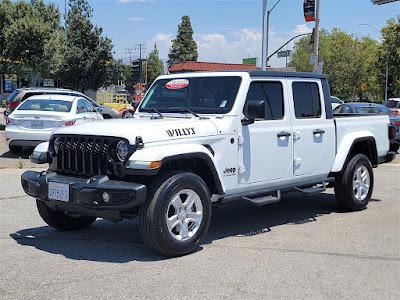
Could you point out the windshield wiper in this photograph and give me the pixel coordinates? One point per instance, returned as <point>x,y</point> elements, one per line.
<point>187,110</point>
<point>156,111</point>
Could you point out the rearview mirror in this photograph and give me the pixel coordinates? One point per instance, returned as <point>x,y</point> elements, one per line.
<point>254,110</point>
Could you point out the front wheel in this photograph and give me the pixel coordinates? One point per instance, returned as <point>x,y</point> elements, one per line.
<point>127,114</point>
<point>353,189</point>
<point>177,213</point>
<point>62,221</point>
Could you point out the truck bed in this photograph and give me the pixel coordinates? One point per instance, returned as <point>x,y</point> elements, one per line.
<point>376,124</point>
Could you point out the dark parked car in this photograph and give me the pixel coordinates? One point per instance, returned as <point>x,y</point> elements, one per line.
<point>20,95</point>
<point>371,108</point>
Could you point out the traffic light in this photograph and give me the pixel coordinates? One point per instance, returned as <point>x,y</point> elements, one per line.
<point>136,70</point>
<point>390,86</point>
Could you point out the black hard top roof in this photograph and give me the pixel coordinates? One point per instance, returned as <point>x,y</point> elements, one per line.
<point>266,73</point>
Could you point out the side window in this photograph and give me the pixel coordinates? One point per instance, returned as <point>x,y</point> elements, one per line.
<point>89,107</point>
<point>272,94</point>
<point>81,108</point>
<point>306,100</point>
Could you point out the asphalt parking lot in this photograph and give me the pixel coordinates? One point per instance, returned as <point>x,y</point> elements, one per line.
<point>301,247</point>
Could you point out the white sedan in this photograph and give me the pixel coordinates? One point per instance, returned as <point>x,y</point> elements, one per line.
<point>34,120</point>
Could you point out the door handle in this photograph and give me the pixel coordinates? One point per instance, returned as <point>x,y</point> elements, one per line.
<point>318,131</point>
<point>84,118</point>
<point>283,134</point>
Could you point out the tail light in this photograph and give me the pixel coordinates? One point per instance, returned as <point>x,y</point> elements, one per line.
<point>12,104</point>
<point>69,123</point>
<point>392,132</point>
<point>397,123</point>
<point>395,112</point>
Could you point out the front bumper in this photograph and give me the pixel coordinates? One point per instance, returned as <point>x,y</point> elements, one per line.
<point>85,194</point>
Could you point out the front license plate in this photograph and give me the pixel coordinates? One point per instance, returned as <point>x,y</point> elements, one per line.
<point>59,191</point>
<point>37,125</point>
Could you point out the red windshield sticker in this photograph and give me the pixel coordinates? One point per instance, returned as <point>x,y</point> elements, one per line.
<point>177,84</point>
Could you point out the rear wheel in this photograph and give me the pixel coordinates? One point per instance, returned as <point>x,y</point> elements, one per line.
<point>15,149</point>
<point>353,189</point>
<point>62,221</point>
<point>177,213</point>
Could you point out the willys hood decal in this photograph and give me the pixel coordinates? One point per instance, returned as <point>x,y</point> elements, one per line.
<point>150,130</point>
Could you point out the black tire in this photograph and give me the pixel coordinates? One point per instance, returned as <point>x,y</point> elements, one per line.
<point>106,117</point>
<point>127,114</point>
<point>15,149</point>
<point>59,220</point>
<point>154,213</point>
<point>352,198</point>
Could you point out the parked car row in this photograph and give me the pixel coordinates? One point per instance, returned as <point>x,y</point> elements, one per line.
<point>20,95</point>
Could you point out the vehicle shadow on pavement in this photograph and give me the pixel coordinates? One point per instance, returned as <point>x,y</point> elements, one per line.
<point>121,242</point>
<point>26,153</point>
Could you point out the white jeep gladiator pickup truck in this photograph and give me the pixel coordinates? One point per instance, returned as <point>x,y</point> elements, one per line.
<point>200,138</point>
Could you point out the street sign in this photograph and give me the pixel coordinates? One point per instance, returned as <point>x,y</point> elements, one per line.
<point>286,53</point>
<point>48,82</point>
<point>309,10</point>
<point>363,87</point>
<point>313,59</point>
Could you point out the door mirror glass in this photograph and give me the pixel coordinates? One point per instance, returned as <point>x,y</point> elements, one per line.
<point>99,109</point>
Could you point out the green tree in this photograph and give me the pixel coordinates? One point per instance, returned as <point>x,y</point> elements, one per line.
<point>155,66</point>
<point>127,79</point>
<point>30,37</point>
<point>184,47</point>
<point>87,61</point>
<point>349,62</point>
<point>389,55</point>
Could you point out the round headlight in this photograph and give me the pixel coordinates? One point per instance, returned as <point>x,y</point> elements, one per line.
<point>122,150</point>
<point>56,145</point>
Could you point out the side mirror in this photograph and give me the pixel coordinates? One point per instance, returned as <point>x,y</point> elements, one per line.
<point>254,110</point>
<point>99,109</point>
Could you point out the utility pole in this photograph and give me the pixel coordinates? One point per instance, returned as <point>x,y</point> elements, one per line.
<point>266,13</point>
<point>141,48</point>
<point>316,37</point>
<point>129,51</point>
<point>264,37</point>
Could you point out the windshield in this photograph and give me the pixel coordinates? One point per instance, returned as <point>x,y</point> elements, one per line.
<point>46,105</point>
<point>210,95</point>
<point>392,103</point>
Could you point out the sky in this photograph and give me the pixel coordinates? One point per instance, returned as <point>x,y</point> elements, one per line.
<point>228,31</point>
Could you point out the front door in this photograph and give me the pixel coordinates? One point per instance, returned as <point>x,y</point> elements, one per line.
<point>265,151</point>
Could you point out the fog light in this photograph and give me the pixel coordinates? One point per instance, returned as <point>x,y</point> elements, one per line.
<point>106,197</point>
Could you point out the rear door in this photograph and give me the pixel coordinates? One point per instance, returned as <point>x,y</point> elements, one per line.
<point>313,133</point>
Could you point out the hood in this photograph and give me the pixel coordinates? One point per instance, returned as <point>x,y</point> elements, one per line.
<point>150,130</point>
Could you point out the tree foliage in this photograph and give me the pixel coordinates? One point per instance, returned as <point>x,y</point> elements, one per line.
<point>87,62</point>
<point>30,37</point>
<point>184,47</point>
<point>155,66</point>
<point>389,55</point>
<point>349,62</point>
